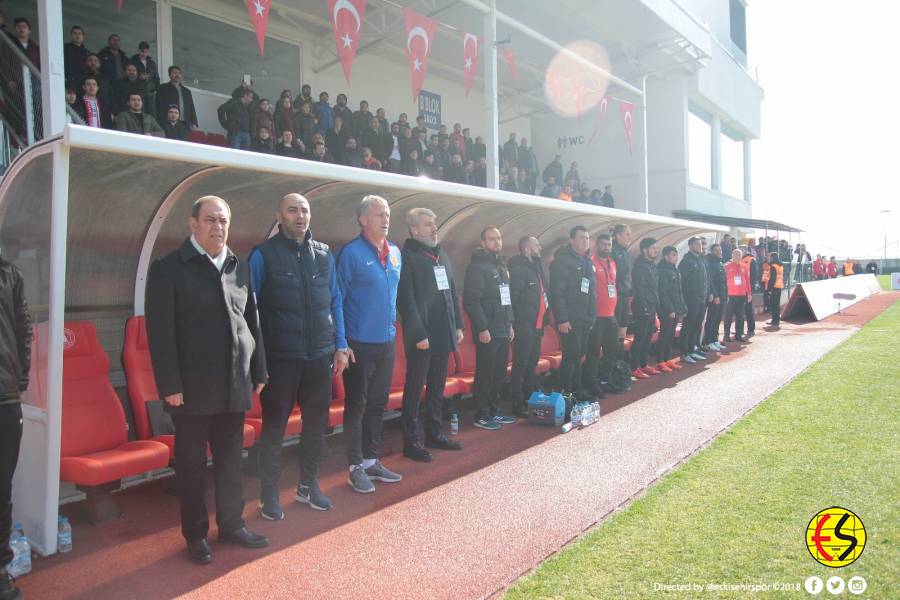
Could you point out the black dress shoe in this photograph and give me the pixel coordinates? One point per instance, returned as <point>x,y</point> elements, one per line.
<point>441,442</point>
<point>199,552</point>
<point>244,537</point>
<point>417,453</point>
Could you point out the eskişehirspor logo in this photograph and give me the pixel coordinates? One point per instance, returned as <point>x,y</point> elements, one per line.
<point>835,537</point>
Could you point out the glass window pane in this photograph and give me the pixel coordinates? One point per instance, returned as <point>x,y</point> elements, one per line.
<point>699,151</point>
<point>732,166</point>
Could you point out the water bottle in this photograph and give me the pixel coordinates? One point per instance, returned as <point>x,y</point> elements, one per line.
<point>454,424</point>
<point>63,535</point>
<point>18,543</point>
<point>596,406</point>
<point>587,414</point>
<point>575,416</point>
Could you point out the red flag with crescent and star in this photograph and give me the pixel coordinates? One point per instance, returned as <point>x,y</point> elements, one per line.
<point>259,15</point>
<point>510,57</point>
<point>626,109</point>
<point>346,18</point>
<point>470,59</point>
<point>601,112</point>
<point>419,39</point>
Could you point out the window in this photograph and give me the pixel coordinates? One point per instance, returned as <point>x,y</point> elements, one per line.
<point>699,150</point>
<point>731,148</point>
<point>215,56</point>
<point>739,24</point>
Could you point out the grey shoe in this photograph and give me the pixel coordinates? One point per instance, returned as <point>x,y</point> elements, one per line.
<point>687,358</point>
<point>312,495</point>
<point>697,356</point>
<point>359,480</point>
<point>379,472</point>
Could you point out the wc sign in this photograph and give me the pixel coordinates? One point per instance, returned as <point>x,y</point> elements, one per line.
<point>430,108</point>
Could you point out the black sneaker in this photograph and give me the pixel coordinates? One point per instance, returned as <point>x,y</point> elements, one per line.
<point>416,452</point>
<point>487,423</point>
<point>312,495</point>
<point>270,509</point>
<point>441,442</point>
<point>503,419</point>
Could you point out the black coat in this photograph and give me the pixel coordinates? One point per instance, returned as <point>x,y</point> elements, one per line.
<point>526,278</point>
<point>623,270</point>
<point>718,286</point>
<point>481,296</point>
<point>15,334</point>
<point>426,311</point>
<point>694,279</point>
<point>569,303</point>
<point>203,332</point>
<point>73,59</point>
<point>670,298</point>
<point>168,95</point>
<point>645,287</point>
<point>178,131</point>
<point>105,116</point>
<point>234,116</point>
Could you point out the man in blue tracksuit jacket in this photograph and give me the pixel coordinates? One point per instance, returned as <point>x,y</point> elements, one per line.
<point>368,270</point>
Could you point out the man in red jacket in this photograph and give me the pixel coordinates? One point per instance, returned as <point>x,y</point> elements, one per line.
<point>737,276</point>
<point>604,338</point>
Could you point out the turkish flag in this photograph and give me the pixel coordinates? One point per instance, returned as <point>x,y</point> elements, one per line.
<point>346,18</point>
<point>119,4</point>
<point>470,59</point>
<point>601,108</point>
<point>259,15</point>
<point>626,109</point>
<point>419,40</point>
<point>510,57</point>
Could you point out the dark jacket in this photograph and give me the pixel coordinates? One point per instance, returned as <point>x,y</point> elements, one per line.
<point>568,301</point>
<point>645,288</point>
<point>426,311</point>
<point>346,116</point>
<point>371,139</point>
<point>142,124</point>
<point>105,116</point>
<point>305,126</point>
<point>294,151</point>
<point>149,70</point>
<point>108,63</point>
<point>257,145</point>
<point>178,131</point>
<point>718,287</point>
<point>234,116</point>
<point>336,140</point>
<point>671,299</point>
<point>168,95</point>
<point>526,278</point>
<point>73,59</point>
<point>123,89</point>
<point>301,311</point>
<point>694,279</point>
<point>481,296</point>
<point>554,169</point>
<point>15,334</point>
<point>203,332</point>
<point>623,270</point>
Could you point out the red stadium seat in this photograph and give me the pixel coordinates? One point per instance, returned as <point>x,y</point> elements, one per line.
<point>253,418</point>
<point>338,395</point>
<point>197,137</point>
<point>542,366</point>
<point>142,385</point>
<point>217,139</point>
<point>551,350</point>
<point>464,360</point>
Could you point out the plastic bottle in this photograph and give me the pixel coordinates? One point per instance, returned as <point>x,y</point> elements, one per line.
<point>587,414</point>
<point>454,424</point>
<point>596,406</point>
<point>576,415</point>
<point>18,543</point>
<point>63,535</point>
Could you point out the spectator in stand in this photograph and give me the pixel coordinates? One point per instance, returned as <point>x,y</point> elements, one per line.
<point>320,154</point>
<point>173,126</point>
<point>554,170</point>
<point>288,146</point>
<point>527,163</point>
<point>245,86</point>
<point>135,120</point>
<point>11,72</point>
<point>403,121</point>
<point>371,139</point>
<point>420,126</point>
<point>362,119</point>
<point>459,139</point>
<point>566,194</point>
<point>420,141</point>
<point>504,179</point>
<point>480,173</point>
<point>443,156</point>
<point>71,99</point>
<point>407,141</point>
<point>305,122</point>
<point>456,172</point>
<point>324,112</point>
<point>573,177</point>
<point>343,111</point>
<point>74,55</point>
<point>456,147</point>
<point>512,180</point>
<point>90,108</point>
<point>393,149</point>
<point>479,150</point>
<point>284,114</point>
<point>443,131</point>
<point>129,84</point>
<point>175,93</point>
<point>594,198</point>
<point>262,141</point>
<point>369,161</point>
<point>522,183</point>
<point>428,167</point>
<point>384,127</point>
<point>234,116</point>
<point>468,144</point>
<point>104,86</point>
<point>607,199</point>
<point>583,195</point>
<point>262,117</point>
<point>336,138</point>
<point>148,73</point>
<point>410,164</point>
<point>351,156</point>
<point>112,59</point>
<point>305,95</point>
<point>511,150</point>
<point>551,190</point>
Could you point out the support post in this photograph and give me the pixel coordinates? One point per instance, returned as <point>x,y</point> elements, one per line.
<point>645,165</point>
<point>53,76</point>
<point>491,99</point>
<point>164,37</point>
<point>716,153</point>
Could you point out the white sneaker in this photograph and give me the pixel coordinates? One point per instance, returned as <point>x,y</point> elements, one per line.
<point>688,359</point>
<point>697,356</point>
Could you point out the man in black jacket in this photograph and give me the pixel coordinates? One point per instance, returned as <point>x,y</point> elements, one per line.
<point>175,93</point>
<point>15,365</point>
<point>573,298</point>
<point>302,321</point>
<point>234,116</point>
<point>74,55</point>
<point>531,307</point>
<point>173,126</point>
<point>696,289</point>
<point>621,235</point>
<point>645,303</point>
<point>488,302</point>
<point>432,328</point>
<point>671,307</point>
<point>719,290</point>
<point>112,59</point>
<point>208,358</point>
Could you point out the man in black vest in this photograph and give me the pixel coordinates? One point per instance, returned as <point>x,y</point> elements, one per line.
<point>719,290</point>
<point>432,327</point>
<point>487,300</point>
<point>207,356</point>
<point>531,308</point>
<point>573,297</point>
<point>302,321</point>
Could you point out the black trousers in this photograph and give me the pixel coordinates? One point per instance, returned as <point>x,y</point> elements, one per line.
<point>368,382</point>
<point>10,438</point>
<point>526,352</point>
<point>690,328</point>
<point>643,334</point>
<point>602,352</point>
<point>490,372</point>
<point>224,432</point>
<point>749,316</point>
<point>307,384</point>
<point>775,305</point>
<point>428,368</point>
<point>666,337</point>
<point>713,321</point>
<point>735,311</point>
<point>574,346</point>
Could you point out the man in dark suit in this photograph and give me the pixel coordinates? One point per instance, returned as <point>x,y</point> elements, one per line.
<point>432,327</point>
<point>207,355</point>
<point>175,93</point>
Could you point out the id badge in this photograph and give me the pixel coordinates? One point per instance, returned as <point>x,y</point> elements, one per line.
<point>585,285</point>
<point>738,280</point>
<point>440,276</point>
<point>611,291</point>
<point>504,295</point>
